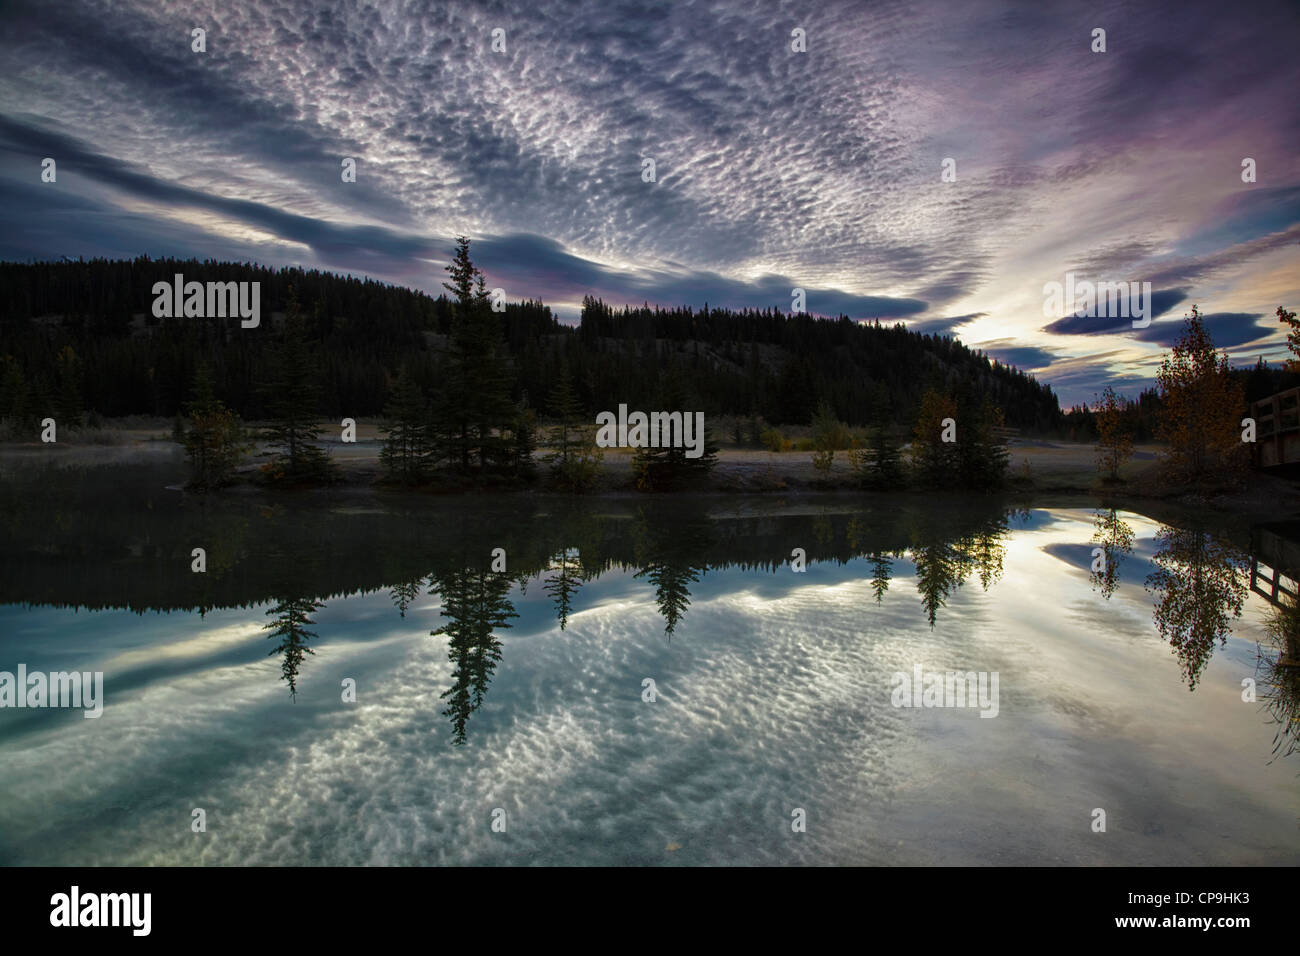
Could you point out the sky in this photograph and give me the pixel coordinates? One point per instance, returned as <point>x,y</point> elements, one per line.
<point>820,169</point>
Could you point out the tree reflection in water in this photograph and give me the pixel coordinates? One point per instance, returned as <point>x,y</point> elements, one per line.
<point>475,603</point>
<point>563,582</point>
<point>673,557</point>
<point>1200,584</point>
<point>944,559</point>
<point>1197,580</point>
<point>1278,676</point>
<point>1115,535</point>
<point>292,618</point>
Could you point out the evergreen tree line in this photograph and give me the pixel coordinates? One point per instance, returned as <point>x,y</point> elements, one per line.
<point>79,338</point>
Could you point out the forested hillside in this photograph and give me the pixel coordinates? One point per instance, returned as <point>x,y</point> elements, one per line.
<point>82,335</point>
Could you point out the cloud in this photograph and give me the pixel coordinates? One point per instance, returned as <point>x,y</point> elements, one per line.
<point>81,170</point>
<point>775,694</point>
<point>942,325</point>
<point>1225,258</point>
<point>1160,302</point>
<point>1225,328</point>
<point>542,265</point>
<point>1079,378</point>
<point>535,265</point>
<point>774,169</point>
<point>1022,356</point>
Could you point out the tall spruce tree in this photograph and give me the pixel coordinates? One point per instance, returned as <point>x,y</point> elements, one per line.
<point>292,390</point>
<point>474,410</point>
<point>887,456</point>
<point>565,435</point>
<point>405,594</point>
<point>981,455</point>
<point>406,452</point>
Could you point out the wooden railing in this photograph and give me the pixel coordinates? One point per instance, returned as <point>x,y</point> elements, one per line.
<point>1277,428</point>
<point>1274,583</point>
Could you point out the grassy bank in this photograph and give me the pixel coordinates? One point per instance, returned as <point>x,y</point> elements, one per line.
<point>1036,467</point>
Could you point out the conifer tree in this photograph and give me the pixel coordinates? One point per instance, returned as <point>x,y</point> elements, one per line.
<point>523,443</point>
<point>39,403</point>
<point>575,459</point>
<point>887,456</point>
<point>674,560</point>
<point>668,468</point>
<point>68,404</point>
<point>473,408</point>
<point>982,458</point>
<point>13,396</point>
<point>406,452</point>
<point>565,435</point>
<point>404,594</point>
<point>880,464</point>
<point>292,390</point>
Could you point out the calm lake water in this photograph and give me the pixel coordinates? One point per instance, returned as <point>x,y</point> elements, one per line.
<point>519,697</point>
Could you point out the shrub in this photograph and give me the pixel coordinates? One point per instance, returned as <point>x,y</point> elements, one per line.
<point>772,439</point>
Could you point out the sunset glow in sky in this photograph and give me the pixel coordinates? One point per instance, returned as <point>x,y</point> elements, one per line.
<point>774,169</point>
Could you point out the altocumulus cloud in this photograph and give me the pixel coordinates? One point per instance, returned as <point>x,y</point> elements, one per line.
<point>774,169</point>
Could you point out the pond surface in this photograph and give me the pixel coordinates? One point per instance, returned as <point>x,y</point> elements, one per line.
<point>504,717</point>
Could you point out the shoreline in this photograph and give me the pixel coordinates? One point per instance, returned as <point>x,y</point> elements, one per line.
<point>1037,468</point>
